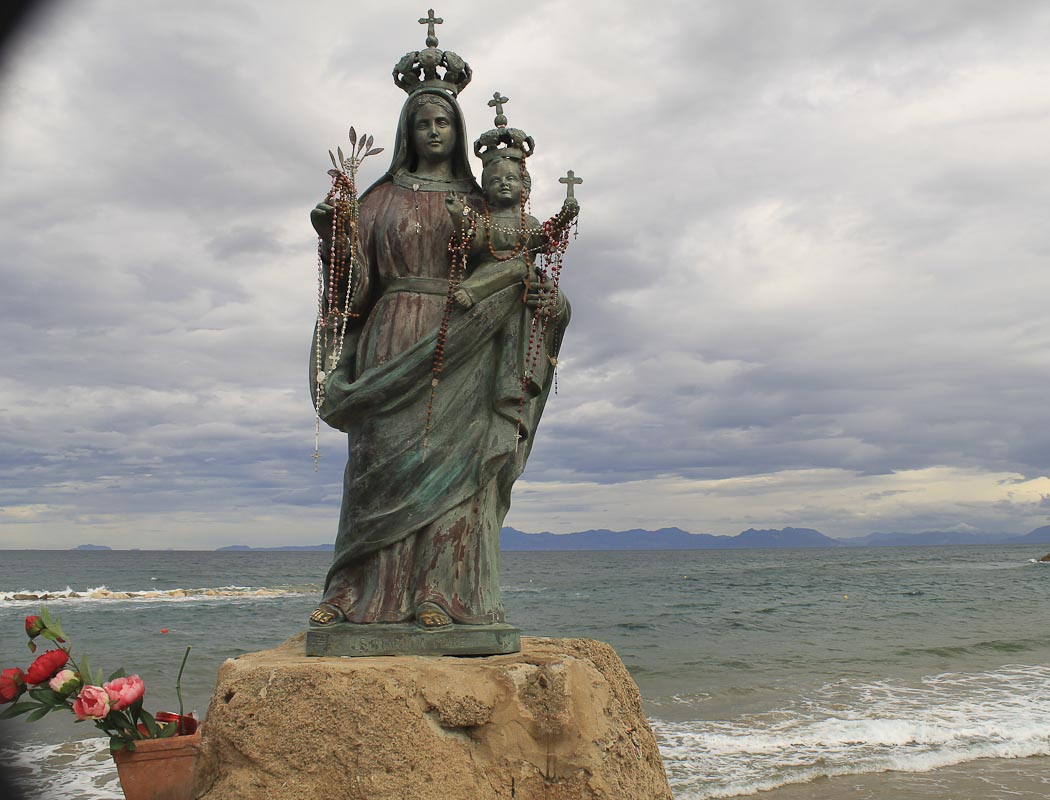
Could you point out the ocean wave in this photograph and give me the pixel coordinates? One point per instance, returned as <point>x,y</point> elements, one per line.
<point>68,771</point>
<point>989,646</point>
<point>153,595</point>
<point>844,729</point>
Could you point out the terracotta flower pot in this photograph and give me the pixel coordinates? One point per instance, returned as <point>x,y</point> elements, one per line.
<point>159,769</point>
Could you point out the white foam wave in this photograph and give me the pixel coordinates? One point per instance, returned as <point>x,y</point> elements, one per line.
<point>78,770</point>
<point>945,720</point>
<point>31,596</point>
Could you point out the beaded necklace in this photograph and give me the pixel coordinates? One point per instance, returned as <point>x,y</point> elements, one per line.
<point>459,249</point>
<point>556,231</point>
<point>334,316</point>
<point>523,236</point>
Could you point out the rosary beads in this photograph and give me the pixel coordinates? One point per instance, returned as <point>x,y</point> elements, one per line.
<point>333,317</point>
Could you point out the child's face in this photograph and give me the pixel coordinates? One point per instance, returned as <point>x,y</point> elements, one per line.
<point>503,184</point>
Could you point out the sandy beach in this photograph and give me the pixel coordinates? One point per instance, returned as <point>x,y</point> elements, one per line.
<point>984,779</point>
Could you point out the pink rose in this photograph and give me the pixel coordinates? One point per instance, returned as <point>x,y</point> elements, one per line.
<point>65,682</point>
<point>91,703</point>
<point>124,691</point>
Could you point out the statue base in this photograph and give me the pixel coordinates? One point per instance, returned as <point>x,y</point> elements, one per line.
<point>408,639</point>
<point>561,720</point>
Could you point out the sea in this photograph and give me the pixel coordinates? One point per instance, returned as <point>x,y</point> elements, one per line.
<point>810,674</point>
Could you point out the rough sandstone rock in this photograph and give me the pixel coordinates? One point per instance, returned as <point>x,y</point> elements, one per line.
<point>561,720</point>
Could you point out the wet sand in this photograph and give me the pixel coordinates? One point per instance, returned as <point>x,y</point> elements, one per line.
<point>984,779</point>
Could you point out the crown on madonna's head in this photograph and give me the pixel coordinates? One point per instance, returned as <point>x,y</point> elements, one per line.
<point>501,141</point>
<point>419,69</point>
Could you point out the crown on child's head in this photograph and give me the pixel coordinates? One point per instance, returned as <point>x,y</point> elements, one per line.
<point>501,141</point>
<point>419,69</point>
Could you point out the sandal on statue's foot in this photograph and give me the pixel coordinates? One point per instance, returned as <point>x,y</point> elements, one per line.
<point>431,616</point>
<point>326,614</point>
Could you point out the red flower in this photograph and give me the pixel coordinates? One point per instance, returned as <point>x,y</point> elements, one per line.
<point>46,666</point>
<point>12,684</point>
<point>34,626</point>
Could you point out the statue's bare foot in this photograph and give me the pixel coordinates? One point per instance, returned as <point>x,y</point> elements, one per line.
<point>431,615</point>
<point>326,614</point>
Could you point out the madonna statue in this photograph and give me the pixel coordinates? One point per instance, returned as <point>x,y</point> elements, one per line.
<point>418,537</point>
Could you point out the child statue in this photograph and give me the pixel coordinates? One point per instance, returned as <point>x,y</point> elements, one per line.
<point>502,239</point>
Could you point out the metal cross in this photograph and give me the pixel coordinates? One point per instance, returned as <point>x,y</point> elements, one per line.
<point>571,182</point>
<point>497,102</point>
<point>430,21</point>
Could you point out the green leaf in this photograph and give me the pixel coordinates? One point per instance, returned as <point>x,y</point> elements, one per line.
<point>118,674</point>
<point>118,720</point>
<point>116,743</point>
<point>32,646</point>
<point>47,697</point>
<point>40,713</point>
<point>135,709</point>
<point>85,669</point>
<point>18,709</point>
<point>89,677</point>
<point>151,724</point>
<point>54,624</point>
<point>169,730</point>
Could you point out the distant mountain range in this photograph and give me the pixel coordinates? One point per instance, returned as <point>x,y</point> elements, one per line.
<point>677,539</point>
<point>233,548</point>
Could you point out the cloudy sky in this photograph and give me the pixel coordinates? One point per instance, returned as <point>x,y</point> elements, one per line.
<point>810,286</point>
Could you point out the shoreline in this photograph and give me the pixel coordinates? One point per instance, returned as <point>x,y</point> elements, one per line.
<point>1021,778</point>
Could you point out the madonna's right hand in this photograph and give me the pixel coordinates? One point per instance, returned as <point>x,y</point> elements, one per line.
<point>321,218</point>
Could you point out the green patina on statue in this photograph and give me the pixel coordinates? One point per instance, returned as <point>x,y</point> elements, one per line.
<point>437,367</point>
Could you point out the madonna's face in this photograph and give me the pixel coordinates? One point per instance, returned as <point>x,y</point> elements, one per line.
<point>433,133</point>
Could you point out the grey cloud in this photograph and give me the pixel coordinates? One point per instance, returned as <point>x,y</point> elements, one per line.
<point>796,251</point>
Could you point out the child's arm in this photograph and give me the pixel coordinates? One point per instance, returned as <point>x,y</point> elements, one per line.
<point>457,211</point>
<point>570,209</point>
<point>488,279</point>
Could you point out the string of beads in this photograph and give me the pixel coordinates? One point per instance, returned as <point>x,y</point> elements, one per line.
<point>333,316</point>
<point>459,249</point>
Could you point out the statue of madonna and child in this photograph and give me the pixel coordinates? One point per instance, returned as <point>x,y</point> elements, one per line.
<point>440,322</point>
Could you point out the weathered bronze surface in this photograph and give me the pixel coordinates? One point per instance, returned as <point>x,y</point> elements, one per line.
<point>433,452</point>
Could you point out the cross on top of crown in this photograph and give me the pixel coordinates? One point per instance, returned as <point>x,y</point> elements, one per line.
<point>571,182</point>
<point>421,69</point>
<point>430,21</point>
<point>497,102</point>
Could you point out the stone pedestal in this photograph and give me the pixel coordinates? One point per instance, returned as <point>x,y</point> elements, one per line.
<point>409,639</point>
<point>561,720</point>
